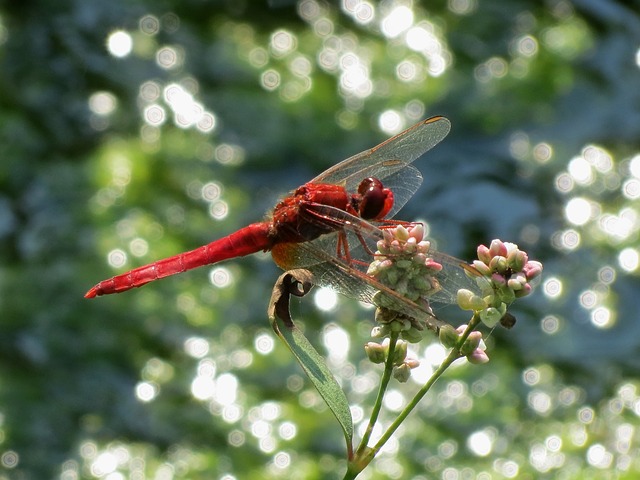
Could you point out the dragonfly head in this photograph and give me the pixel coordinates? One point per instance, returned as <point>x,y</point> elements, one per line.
<point>373,200</point>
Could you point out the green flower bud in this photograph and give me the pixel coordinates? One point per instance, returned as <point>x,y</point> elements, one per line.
<point>376,353</point>
<point>402,373</point>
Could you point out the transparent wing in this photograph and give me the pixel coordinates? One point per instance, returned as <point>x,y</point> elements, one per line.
<point>349,277</point>
<point>388,161</point>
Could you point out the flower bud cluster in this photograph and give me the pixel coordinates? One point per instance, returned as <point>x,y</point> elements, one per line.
<point>402,365</point>
<point>473,347</point>
<point>503,273</point>
<point>403,264</point>
<point>390,321</point>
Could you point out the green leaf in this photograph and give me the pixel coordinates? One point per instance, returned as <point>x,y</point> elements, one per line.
<point>298,283</point>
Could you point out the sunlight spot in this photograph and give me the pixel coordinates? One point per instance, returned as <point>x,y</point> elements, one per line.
<point>580,170</point>
<point>531,376</point>
<point>102,103</point>
<point>228,154</point>
<point>394,400</point>
<point>480,443</point>
<point>526,46</point>
<point>138,247</point>
<point>578,211</point>
<point>232,413</point>
<point>638,58</point>
<point>586,415</point>
<point>219,210</point>
<point>550,324</point>
<point>634,166</point>
<point>104,464</point>
<point>270,79</point>
<point>287,430</point>
<point>406,71</point>
<point>631,189</point>
<point>390,122</point>
<point>301,66</point>
<point>564,183</point>
<point>567,240</point>
<point>542,152</point>
<point>616,226</point>
<point>236,439</point>
<point>357,413</point>
<point>588,299</point>
<point>211,191</point>
<point>336,341</point>
<point>599,457</point>
<point>325,299</point>
<point>9,459</point>
<point>258,57</point>
<point>264,344</point>
<point>602,317</point>
<point>540,402</point>
<point>203,387</point>
<point>149,24</point>
<point>607,275</point>
<point>628,259</point>
<point>552,287</point>
<point>282,43</point>
<point>282,460</point>
<point>117,258</point>
<point>519,145</point>
<point>435,354</point>
<point>147,391</point>
<point>355,76</point>
<point>168,58</point>
<point>220,277</point>
<point>196,347</point>
<point>150,91</point>
<point>260,429</point>
<point>399,20</point>
<point>227,389</point>
<point>187,112</point>
<point>599,158</point>
<point>154,115</point>
<point>461,7</point>
<point>364,12</point>
<point>419,39</point>
<point>119,43</point>
<point>206,122</point>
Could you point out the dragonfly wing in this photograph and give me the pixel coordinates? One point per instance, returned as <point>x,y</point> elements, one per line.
<point>399,151</point>
<point>349,276</point>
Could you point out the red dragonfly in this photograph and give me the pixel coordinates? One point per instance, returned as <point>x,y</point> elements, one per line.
<point>324,224</point>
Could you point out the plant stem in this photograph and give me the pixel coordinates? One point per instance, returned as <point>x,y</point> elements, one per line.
<point>454,354</point>
<point>386,376</point>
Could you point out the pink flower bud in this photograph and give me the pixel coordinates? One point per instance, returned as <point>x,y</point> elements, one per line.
<point>401,233</point>
<point>482,267</point>
<point>498,280</point>
<point>498,248</point>
<point>417,232</point>
<point>484,254</point>
<point>532,269</point>
<point>412,363</point>
<point>478,357</point>
<point>524,291</point>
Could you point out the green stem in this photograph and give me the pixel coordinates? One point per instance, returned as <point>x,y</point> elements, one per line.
<point>454,354</point>
<point>386,376</point>
<point>364,455</point>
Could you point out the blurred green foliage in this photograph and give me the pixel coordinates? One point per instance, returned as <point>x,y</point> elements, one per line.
<point>88,169</point>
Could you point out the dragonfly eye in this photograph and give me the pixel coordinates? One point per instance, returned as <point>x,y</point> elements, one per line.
<point>375,200</point>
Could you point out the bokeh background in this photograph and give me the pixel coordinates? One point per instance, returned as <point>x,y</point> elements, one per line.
<point>131,131</point>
